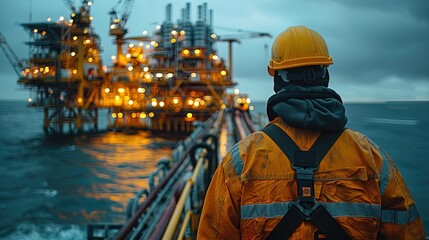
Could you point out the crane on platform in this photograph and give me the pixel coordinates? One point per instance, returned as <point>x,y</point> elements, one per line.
<point>18,65</point>
<point>119,16</point>
<point>235,38</point>
<point>81,16</point>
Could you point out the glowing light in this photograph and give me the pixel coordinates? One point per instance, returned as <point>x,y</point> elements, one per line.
<point>113,115</point>
<point>35,30</point>
<point>151,114</point>
<point>175,100</point>
<point>154,103</point>
<point>159,75</point>
<point>133,115</point>
<point>113,26</point>
<point>196,104</point>
<point>190,102</point>
<point>61,18</point>
<point>152,43</point>
<point>141,90</point>
<point>189,115</point>
<point>142,115</point>
<point>117,97</point>
<point>161,103</point>
<point>89,3</point>
<point>29,100</point>
<point>49,19</point>
<point>186,52</point>
<point>73,54</point>
<point>121,90</point>
<point>239,101</point>
<point>193,75</point>
<point>85,31</point>
<point>107,90</point>
<point>130,68</point>
<point>128,55</point>
<point>248,101</point>
<point>131,45</point>
<point>90,59</point>
<point>236,91</point>
<point>144,32</point>
<point>215,57</point>
<point>197,52</point>
<point>75,38</point>
<point>130,102</point>
<point>74,71</point>
<point>223,72</point>
<point>43,33</point>
<point>223,106</point>
<point>79,100</point>
<point>91,18</point>
<point>145,69</point>
<point>87,41</point>
<point>213,36</point>
<point>73,14</point>
<point>126,98</point>
<point>251,108</point>
<point>113,57</point>
<point>169,75</point>
<point>148,76</point>
<point>158,27</point>
<point>182,32</point>
<point>120,115</point>
<point>174,32</point>
<point>173,40</point>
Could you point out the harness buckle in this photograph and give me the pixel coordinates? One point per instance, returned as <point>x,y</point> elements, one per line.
<point>305,211</point>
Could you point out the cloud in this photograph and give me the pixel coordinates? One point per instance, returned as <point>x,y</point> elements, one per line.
<point>370,41</point>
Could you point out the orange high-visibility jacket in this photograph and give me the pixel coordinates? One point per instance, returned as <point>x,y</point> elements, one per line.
<point>357,182</point>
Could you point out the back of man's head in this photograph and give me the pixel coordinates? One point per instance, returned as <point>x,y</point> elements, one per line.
<point>299,56</point>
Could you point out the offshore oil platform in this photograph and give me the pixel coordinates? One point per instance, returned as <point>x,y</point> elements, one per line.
<point>172,82</point>
<point>162,82</point>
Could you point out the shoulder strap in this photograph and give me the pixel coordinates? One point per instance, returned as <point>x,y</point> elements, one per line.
<point>320,148</point>
<point>305,163</point>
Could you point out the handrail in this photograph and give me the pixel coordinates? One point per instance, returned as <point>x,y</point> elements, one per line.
<point>174,221</point>
<point>177,214</point>
<point>183,228</point>
<point>132,222</point>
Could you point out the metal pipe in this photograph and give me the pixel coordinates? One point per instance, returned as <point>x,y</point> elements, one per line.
<point>132,222</point>
<point>175,218</point>
<point>184,225</point>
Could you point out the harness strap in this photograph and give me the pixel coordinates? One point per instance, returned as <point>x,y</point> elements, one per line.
<point>305,164</point>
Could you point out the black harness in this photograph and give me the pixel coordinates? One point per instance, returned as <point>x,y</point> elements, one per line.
<point>306,208</point>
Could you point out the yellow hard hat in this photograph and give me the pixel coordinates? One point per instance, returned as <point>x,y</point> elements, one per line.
<point>298,47</point>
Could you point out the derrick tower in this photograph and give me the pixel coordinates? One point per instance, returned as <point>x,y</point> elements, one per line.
<point>64,72</point>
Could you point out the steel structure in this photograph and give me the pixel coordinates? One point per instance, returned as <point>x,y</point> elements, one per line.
<point>161,82</point>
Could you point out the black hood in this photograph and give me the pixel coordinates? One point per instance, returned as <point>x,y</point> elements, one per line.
<point>316,108</point>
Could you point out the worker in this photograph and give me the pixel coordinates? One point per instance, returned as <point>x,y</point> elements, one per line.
<point>305,175</point>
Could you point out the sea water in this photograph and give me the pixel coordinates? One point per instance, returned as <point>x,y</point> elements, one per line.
<point>52,187</point>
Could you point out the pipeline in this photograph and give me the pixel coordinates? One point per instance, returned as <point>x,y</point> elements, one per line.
<point>140,225</point>
<point>173,204</point>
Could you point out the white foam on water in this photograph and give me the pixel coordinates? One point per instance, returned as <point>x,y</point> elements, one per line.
<point>392,121</point>
<point>48,231</point>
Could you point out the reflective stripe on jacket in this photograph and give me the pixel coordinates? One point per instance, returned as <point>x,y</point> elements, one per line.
<point>356,181</point>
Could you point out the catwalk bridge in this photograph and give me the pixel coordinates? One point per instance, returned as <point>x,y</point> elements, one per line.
<point>171,207</point>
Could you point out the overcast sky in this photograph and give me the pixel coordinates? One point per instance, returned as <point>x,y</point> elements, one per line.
<point>380,48</point>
